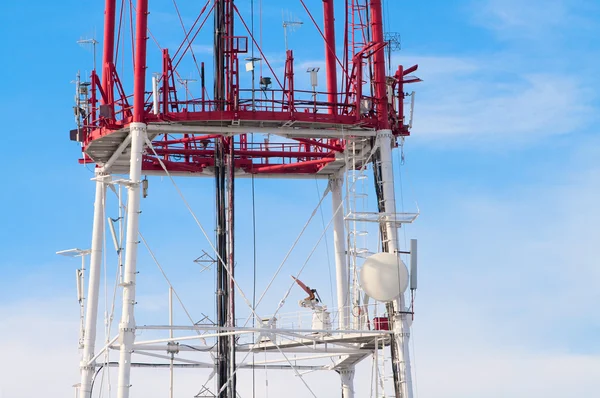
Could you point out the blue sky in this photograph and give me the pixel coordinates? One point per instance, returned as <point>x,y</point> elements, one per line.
<point>502,162</point>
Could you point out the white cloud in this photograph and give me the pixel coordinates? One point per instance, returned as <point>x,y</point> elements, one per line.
<point>38,340</point>
<point>520,111</point>
<point>516,92</point>
<point>497,375</point>
<point>507,303</point>
<point>531,18</point>
<point>489,99</point>
<point>537,20</point>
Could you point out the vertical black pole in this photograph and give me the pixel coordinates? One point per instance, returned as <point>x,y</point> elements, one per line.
<point>219,51</point>
<point>222,277</point>
<point>224,281</point>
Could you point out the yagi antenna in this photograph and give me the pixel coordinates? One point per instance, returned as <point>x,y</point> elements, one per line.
<point>93,42</point>
<point>290,23</point>
<point>207,259</point>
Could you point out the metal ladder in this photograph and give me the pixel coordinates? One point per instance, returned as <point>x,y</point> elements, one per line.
<point>384,378</point>
<point>356,201</point>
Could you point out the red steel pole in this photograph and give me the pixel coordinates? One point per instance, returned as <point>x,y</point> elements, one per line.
<point>381,100</point>
<point>330,58</point>
<point>400,75</point>
<point>108,49</point>
<point>139,70</point>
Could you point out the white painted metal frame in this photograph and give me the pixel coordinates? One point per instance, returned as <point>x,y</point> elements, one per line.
<point>127,324</point>
<point>341,266</point>
<point>231,130</point>
<point>87,366</point>
<point>349,345</point>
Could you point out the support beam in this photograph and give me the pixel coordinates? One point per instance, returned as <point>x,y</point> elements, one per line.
<point>289,132</point>
<point>399,321</point>
<point>115,156</point>
<point>307,368</point>
<point>91,313</point>
<point>127,324</point>
<point>138,138</point>
<point>172,355</point>
<point>341,267</point>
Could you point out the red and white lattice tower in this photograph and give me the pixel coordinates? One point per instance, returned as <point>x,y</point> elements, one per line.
<point>157,129</point>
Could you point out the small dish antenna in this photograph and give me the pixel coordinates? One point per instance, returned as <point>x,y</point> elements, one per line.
<point>384,277</point>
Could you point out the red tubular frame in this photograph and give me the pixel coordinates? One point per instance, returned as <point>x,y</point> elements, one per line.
<point>247,153</point>
<point>289,81</point>
<point>330,58</point>
<point>400,81</point>
<point>108,50</point>
<point>139,83</point>
<point>281,107</point>
<point>379,77</point>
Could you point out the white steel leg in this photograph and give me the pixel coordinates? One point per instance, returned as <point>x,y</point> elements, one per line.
<point>91,315</point>
<point>127,325</point>
<point>384,141</point>
<point>341,272</point>
<point>402,334</point>
<point>347,376</point>
<point>341,269</point>
<point>401,329</point>
<point>171,336</point>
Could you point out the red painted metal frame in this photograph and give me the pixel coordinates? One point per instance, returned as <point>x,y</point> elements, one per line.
<point>108,50</point>
<point>282,105</point>
<point>139,82</point>
<point>379,76</point>
<point>330,57</point>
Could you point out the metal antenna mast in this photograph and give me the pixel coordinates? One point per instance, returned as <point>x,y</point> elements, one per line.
<point>224,52</point>
<point>93,42</point>
<point>185,83</point>
<point>289,24</point>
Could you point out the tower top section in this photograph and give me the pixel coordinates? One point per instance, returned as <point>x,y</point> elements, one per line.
<point>184,122</point>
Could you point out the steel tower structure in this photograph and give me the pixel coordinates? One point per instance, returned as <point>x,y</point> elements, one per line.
<point>152,131</point>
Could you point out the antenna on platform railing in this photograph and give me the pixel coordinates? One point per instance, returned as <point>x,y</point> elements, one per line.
<point>185,83</point>
<point>93,42</point>
<point>80,275</point>
<point>250,68</point>
<point>81,108</point>
<point>314,82</point>
<point>155,93</point>
<point>289,23</point>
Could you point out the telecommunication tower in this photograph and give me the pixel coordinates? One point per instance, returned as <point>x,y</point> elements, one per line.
<point>158,130</point>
